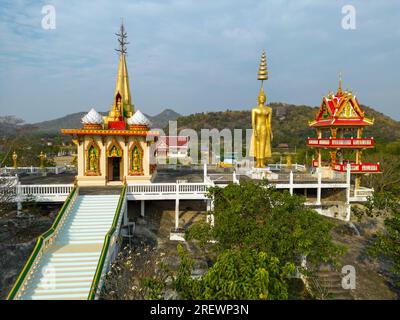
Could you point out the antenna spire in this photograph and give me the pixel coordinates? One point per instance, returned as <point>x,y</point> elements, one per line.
<point>122,36</point>
<point>340,83</point>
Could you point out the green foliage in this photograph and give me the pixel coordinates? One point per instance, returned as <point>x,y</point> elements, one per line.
<point>259,236</point>
<point>245,274</point>
<point>289,123</point>
<point>388,157</point>
<point>250,215</point>
<point>387,243</point>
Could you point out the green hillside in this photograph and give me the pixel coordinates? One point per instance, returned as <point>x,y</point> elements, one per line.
<point>289,123</point>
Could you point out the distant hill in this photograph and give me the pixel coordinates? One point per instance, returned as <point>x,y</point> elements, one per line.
<point>289,123</point>
<point>73,120</point>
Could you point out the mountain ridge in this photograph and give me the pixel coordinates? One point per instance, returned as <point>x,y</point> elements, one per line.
<point>73,120</point>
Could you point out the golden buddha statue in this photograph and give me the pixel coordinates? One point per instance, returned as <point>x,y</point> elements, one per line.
<point>262,132</point>
<point>115,112</point>
<point>42,157</point>
<point>92,160</point>
<point>136,161</point>
<point>261,117</point>
<point>114,152</point>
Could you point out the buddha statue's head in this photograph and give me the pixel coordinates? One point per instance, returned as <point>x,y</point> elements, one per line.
<point>261,97</point>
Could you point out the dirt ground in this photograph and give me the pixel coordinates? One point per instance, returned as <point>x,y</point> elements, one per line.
<point>17,240</point>
<point>372,277</point>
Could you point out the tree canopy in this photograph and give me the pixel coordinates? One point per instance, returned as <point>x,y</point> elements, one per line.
<point>259,237</point>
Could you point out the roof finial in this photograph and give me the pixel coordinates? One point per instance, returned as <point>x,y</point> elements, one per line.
<point>122,36</point>
<point>340,83</point>
<point>262,70</point>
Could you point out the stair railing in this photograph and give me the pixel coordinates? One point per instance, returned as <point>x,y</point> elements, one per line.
<point>109,247</point>
<point>44,240</point>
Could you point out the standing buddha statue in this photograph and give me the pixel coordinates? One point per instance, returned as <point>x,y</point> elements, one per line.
<point>261,117</point>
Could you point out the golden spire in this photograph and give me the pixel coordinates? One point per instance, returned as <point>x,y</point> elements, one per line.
<point>262,74</point>
<point>122,86</point>
<point>262,70</point>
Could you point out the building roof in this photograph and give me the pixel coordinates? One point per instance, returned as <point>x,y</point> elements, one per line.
<point>340,109</point>
<point>105,132</point>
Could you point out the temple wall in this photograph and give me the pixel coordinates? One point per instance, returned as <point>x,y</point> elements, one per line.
<point>104,144</point>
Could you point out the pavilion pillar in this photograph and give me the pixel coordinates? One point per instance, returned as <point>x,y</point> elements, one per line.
<point>319,158</point>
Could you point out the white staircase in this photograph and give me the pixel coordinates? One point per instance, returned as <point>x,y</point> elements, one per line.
<point>66,269</point>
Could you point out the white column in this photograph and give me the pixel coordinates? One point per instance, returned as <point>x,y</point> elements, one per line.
<point>234,178</point>
<point>177,207</point>
<point>348,180</point>
<point>319,187</point>
<point>291,183</point>
<point>142,208</point>
<point>210,217</point>
<point>205,171</point>
<point>348,211</point>
<point>126,219</point>
<point>19,208</point>
<point>125,161</point>
<point>18,197</point>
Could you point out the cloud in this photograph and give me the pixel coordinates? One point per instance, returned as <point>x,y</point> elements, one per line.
<point>193,55</point>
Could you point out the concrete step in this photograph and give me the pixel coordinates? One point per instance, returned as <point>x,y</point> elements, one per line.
<point>76,296</point>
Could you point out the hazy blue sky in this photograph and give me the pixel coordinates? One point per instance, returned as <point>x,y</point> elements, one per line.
<point>195,56</point>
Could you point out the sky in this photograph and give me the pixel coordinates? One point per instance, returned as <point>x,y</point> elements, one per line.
<point>195,56</point>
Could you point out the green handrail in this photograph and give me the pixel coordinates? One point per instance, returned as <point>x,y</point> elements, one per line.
<point>100,265</point>
<point>38,247</point>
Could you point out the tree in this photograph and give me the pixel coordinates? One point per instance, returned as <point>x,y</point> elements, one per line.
<point>7,194</point>
<point>244,274</point>
<point>386,243</point>
<point>251,215</point>
<point>260,235</point>
<point>388,157</point>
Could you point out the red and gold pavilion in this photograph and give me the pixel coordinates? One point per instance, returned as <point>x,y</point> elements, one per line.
<point>339,125</point>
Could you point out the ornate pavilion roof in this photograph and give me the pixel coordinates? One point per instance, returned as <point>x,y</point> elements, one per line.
<point>340,109</point>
